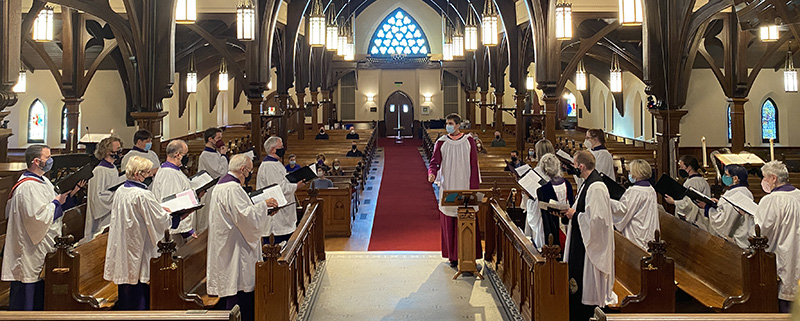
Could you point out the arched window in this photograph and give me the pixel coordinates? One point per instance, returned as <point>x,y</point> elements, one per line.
<point>572,105</point>
<point>729,124</point>
<point>399,33</point>
<point>36,122</point>
<point>769,121</point>
<point>64,124</point>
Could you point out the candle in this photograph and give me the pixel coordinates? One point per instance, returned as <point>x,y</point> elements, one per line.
<point>772,149</point>
<point>705,155</point>
<point>112,131</point>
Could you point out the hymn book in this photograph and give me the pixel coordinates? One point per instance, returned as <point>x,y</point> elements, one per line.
<point>273,191</point>
<point>68,183</point>
<point>741,201</point>
<point>740,159</point>
<point>181,203</point>
<point>668,186</point>
<point>522,170</point>
<point>531,181</point>
<point>202,181</point>
<point>553,206</point>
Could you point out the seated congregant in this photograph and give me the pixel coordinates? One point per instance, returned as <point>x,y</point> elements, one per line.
<point>636,213</point>
<point>515,161</point>
<point>480,147</point>
<point>531,157</point>
<point>725,220</point>
<point>322,134</point>
<point>292,166</point>
<point>321,182</point>
<point>104,176</point>
<point>354,152</point>
<point>498,140</point>
<point>352,135</point>
<point>336,169</point>
<point>321,162</point>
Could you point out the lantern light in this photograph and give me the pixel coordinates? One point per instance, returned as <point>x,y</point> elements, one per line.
<point>563,20</point>
<point>615,80</point>
<point>789,75</point>
<point>770,33</point>
<point>21,85</point>
<point>447,47</point>
<point>489,25</point>
<point>529,83</point>
<point>580,77</point>
<point>316,25</point>
<point>458,41</point>
<point>191,77</point>
<point>222,84</point>
<point>332,41</point>
<point>43,25</point>
<point>186,11</point>
<point>631,12</point>
<point>245,21</point>
<point>470,31</point>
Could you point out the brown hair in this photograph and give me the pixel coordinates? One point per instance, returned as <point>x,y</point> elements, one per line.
<point>597,134</point>
<point>586,158</point>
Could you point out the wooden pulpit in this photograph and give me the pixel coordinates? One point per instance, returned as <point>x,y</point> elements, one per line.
<point>466,230</point>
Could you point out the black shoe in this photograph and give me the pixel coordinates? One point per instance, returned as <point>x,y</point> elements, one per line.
<point>453,263</point>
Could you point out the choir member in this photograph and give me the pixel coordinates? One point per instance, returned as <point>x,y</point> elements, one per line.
<point>34,213</point>
<point>636,213</point>
<point>778,215</point>
<point>270,172</point>
<point>138,222</point>
<point>589,248</point>
<point>352,135</point>
<point>292,166</point>
<point>142,147</point>
<point>454,164</point>
<point>105,176</point>
<point>689,168</point>
<point>596,142</point>
<point>533,214</point>
<point>725,220</point>
<point>214,161</point>
<point>557,189</point>
<point>236,226</point>
<point>170,180</point>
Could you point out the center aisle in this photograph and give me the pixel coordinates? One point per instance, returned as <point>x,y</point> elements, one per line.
<point>406,216</point>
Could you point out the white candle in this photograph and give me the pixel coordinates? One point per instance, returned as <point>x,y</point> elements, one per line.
<point>771,149</point>
<point>705,155</point>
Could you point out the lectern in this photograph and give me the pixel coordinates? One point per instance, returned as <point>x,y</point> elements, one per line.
<point>467,232</point>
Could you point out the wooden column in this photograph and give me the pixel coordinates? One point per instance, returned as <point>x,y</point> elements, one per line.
<point>153,122</point>
<point>10,35</point>
<point>301,115</point>
<point>314,111</point>
<point>550,104</point>
<point>498,112</point>
<point>737,124</point>
<point>73,117</point>
<point>283,123</point>
<point>522,131</point>
<point>326,108</point>
<point>484,95</point>
<point>255,124</point>
<point>471,95</point>
<point>668,125</point>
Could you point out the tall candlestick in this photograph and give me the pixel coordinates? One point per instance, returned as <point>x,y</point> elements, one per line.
<point>705,155</point>
<point>772,149</point>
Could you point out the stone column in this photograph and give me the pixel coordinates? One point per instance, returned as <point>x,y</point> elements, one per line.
<point>737,124</point>
<point>301,115</point>
<point>73,117</point>
<point>153,122</point>
<point>255,124</point>
<point>498,112</point>
<point>668,125</point>
<point>522,130</point>
<point>484,95</point>
<point>550,105</point>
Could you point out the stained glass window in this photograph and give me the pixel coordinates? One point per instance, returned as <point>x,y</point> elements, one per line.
<point>769,121</point>
<point>729,123</point>
<point>36,122</point>
<point>572,105</point>
<point>64,124</point>
<point>399,33</point>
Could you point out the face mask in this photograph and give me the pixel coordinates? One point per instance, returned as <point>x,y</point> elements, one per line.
<point>497,137</point>
<point>513,159</point>
<point>352,133</point>
<point>184,161</point>
<point>321,131</point>
<point>450,129</point>
<point>766,187</point>
<point>479,145</point>
<point>530,154</point>
<point>683,173</point>
<point>727,180</point>
<point>354,147</point>
<point>280,152</point>
<point>292,163</point>
<point>48,165</point>
<point>587,143</point>
<point>574,171</point>
<point>219,144</point>
<point>631,179</point>
<point>115,156</point>
<point>148,146</point>
<point>336,167</point>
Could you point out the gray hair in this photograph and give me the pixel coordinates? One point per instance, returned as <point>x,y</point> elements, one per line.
<point>778,169</point>
<point>238,161</point>
<point>271,143</point>
<point>176,146</point>
<point>551,165</point>
<point>33,152</point>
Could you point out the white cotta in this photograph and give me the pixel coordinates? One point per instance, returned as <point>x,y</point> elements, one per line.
<point>151,155</point>
<point>685,207</point>
<point>636,214</point>
<point>778,215</point>
<point>604,162</point>
<point>216,165</point>
<point>137,224</point>
<point>98,205</point>
<point>285,221</point>
<point>533,216</point>
<point>169,181</point>
<point>31,231</point>
<point>455,169</point>
<point>597,229</point>
<point>726,222</point>
<point>234,240</point>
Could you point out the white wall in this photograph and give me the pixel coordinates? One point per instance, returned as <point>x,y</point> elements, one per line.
<point>605,115</point>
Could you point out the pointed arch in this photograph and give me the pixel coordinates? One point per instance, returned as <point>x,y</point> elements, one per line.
<point>399,33</point>
<point>37,122</point>
<point>769,121</point>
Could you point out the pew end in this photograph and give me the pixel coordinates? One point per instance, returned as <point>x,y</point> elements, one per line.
<point>74,278</point>
<point>644,283</point>
<point>171,276</point>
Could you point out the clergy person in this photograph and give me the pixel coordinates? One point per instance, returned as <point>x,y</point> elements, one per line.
<point>142,147</point>
<point>454,164</point>
<point>589,248</point>
<point>171,180</point>
<point>596,142</point>
<point>214,161</point>
<point>725,220</point>
<point>105,176</point>
<point>689,168</point>
<point>236,226</point>
<point>636,213</point>
<point>34,213</point>
<point>270,172</point>
<point>138,222</point>
<point>778,215</point>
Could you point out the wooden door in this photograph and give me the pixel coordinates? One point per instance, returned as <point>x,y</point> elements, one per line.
<point>399,113</point>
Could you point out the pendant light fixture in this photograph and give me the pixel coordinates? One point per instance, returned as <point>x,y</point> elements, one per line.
<point>21,85</point>
<point>529,83</point>
<point>580,77</point>
<point>458,41</point>
<point>447,47</point>
<point>615,80</point>
<point>489,25</point>
<point>350,46</point>
<point>222,84</point>
<point>316,25</point>
<point>470,31</point>
<point>43,25</point>
<point>631,12</point>
<point>563,20</point>
<point>770,33</point>
<point>191,76</point>
<point>245,21</point>
<point>332,40</point>
<point>186,12</point>
<point>789,74</point>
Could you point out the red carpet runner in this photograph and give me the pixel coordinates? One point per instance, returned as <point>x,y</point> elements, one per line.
<point>406,216</point>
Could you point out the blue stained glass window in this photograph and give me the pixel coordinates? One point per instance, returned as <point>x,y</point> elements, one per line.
<point>399,33</point>
<point>36,122</point>
<point>572,105</point>
<point>769,121</point>
<point>729,123</point>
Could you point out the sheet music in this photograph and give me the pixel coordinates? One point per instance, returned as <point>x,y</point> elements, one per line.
<point>552,205</point>
<point>274,191</point>
<point>200,180</point>
<point>250,154</point>
<point>741,201</point>
<point>564,154</point>
<point>523,169</point>
<point>313,168</point>
<point>530,183</point>
<point>180,201</point>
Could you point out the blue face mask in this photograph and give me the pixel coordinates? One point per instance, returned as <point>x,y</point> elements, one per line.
<point>48,165</point>
<point>727,180</point>
<point>630,178</point>
<point>450,129</point>
<point>148,146</point>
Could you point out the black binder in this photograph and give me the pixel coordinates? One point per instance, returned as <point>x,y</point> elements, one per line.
<point>68,183</point>
<point>304,174</point>
<point>614,189</point>
<point>668,186</point>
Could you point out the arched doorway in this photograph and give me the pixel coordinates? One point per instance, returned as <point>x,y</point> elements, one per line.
<point>399,113</point>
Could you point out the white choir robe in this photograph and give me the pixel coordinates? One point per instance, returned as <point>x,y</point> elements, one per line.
<point>137,224</point>
<point>98,205</point>
<point>168,181</point>
<point>597,229</point>
<point>31,230</point>
<point>150,154</point>
<point>685,207</point>
<point>636,214</point>
<point>726,222</point>
<point>604,162</point>
<point>216,165</point>
<point>534,228</point>
<point>234,239</point>
<point>285,220</point>
<point>778,215</point>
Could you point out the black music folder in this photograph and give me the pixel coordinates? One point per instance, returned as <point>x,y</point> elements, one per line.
<point>68,183</point>
<point>614,189</point>
<point>668,186</point>
<point>304,174</point>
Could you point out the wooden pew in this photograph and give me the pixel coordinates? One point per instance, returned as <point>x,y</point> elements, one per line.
<point>337,209</point>
<point>719,274</point>
<point>74,278</point>
<point>599,315</point>
<point>178,278</point>
<point>219,315</point>
<point>643,283</point>
<point>74,222</point>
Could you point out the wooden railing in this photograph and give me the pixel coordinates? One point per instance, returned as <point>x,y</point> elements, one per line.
<point>599,315</point>
<point>537,282</point>
<point>282,280</point>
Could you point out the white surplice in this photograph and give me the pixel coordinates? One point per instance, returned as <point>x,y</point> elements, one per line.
<point>150,154</point>
<point>685,207</point>
<point>604,162</point>
<point>779,217</point>
<point>98,205</point>
<point>285,221</point>
<point>636,214</point>
<point>234,240</point>
<point>137,224</point>
<point>216,165</point>
<point>597,229</point>
<point>726,222</point>
<point>31,230</point>
<point>455,172</point>
<point>169,181</point>
<point>534,228</point>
